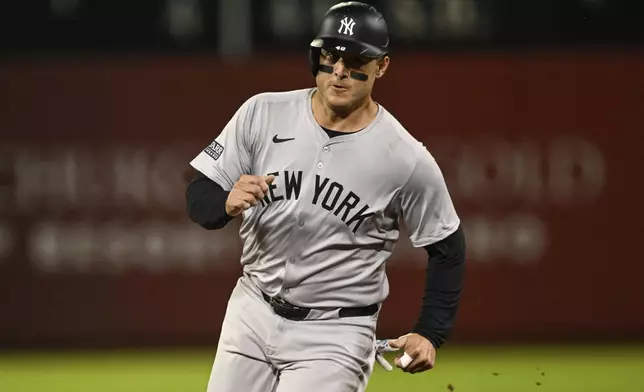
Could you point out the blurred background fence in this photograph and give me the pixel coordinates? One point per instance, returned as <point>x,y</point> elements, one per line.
<point>534,109</point>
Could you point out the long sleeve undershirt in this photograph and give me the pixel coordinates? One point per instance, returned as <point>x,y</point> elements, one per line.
<point>206,203</point>
<point>443,280</point>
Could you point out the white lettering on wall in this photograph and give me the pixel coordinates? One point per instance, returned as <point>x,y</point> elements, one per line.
<point>117,247</point>
<point>115,209</point>
<point>566,171</point>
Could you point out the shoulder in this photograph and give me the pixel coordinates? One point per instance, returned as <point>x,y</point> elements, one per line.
<point>412,150</point>
<point>258,110</point>
<point>422,174</point>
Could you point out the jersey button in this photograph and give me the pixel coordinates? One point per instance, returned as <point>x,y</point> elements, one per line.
<point>300,223</point>
<point>287,291</point>
<point>326,149</point>
<point>320,165</point>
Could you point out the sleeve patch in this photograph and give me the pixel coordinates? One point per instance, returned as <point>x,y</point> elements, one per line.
<point>214,150</point>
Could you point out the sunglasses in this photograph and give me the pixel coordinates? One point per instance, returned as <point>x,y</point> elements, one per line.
<point>350,61</point>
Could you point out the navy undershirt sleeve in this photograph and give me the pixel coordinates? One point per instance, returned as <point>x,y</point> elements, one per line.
<point>206,203</point>
<point>444,277</point>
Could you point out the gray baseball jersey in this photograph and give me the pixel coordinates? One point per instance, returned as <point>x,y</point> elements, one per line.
<point>323,233</point>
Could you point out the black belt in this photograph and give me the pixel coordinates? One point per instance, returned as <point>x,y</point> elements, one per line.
<point>296,313</point>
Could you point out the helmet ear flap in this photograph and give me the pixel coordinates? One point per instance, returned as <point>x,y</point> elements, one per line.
<point>314,60</point>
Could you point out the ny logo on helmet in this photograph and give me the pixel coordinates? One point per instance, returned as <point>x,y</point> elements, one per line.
<point>347,25</point>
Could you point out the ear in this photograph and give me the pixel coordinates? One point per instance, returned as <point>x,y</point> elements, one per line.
<point>382,67</point>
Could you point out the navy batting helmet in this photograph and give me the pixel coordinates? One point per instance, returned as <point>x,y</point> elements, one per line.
<point>352,27</point>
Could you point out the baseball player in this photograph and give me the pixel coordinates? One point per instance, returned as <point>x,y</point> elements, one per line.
<point>322,178</point>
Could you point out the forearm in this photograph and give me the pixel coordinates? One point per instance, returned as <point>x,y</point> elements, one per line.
<point>445,272</point>
<point>206,203</point>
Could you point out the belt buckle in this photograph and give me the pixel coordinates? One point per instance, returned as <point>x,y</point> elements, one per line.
<point>287,310</point>
<point>278,301</point>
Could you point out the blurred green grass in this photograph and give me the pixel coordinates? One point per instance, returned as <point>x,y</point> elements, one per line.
<point>466,369</point>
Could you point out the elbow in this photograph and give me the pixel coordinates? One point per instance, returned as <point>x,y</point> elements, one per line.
<point>203,209</point>
<point>191,210</point>
<point>194,213</point>
<point>194,210</point>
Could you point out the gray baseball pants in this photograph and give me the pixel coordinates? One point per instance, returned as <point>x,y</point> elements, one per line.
<point>259,351</point>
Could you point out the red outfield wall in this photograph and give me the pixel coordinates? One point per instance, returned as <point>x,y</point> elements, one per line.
<point>542,153</point>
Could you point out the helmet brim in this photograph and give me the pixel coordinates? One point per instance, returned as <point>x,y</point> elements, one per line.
<point>349,46</point>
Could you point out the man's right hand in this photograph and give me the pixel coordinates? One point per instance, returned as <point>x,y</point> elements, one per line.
<point>246,192</point>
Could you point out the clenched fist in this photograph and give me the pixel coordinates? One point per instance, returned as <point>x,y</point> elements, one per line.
<point>246,192</point>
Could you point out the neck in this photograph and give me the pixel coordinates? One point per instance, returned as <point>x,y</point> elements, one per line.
<point>349,119</point>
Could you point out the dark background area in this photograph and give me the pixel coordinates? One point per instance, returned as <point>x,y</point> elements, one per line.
<point>532,108</point>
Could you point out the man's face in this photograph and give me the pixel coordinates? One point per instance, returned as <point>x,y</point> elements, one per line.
<point>339,89</point>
